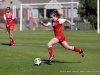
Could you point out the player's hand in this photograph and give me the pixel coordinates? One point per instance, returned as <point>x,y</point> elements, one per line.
<point>7,25</point>
<point>16,18</point>
<point>73,24</point>
<point>41,22</point>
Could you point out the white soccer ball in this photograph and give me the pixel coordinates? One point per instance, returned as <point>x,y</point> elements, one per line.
<point>37,61</point>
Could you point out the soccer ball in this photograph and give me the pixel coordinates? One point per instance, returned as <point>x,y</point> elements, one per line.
<point>37,61</point>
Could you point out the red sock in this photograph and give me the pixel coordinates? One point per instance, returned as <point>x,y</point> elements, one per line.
<point>50,50</point>
<point>11,41</point>
<point>76,49</point>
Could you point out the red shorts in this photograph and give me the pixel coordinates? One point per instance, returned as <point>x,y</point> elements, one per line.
<point>10,27</point>
<point>61,38</point>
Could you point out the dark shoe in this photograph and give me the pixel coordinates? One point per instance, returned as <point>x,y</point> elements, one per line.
<point>51,58</point>
<point>82,53</point>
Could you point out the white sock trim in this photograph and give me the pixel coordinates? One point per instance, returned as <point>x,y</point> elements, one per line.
<point>49,46</point>
<point>71,47</point>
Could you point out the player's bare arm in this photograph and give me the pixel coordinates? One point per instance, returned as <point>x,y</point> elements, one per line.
<point>14,19</point>
<point>5,21</point>
<point>44,24</point>
<point>70,22</point>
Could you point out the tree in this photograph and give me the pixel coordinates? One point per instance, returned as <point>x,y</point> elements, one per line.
<point>88,10</point>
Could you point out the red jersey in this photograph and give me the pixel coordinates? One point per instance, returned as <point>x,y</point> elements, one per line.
<point>57,26</point>
<point>8,17</point>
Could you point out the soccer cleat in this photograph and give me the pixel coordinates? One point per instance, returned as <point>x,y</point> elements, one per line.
<point>82,53</point>
<point>12,44</point>
<point>51,58</point>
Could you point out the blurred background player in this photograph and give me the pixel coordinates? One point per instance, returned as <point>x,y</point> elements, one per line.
<point>9,21</point>
<point>59,37</point>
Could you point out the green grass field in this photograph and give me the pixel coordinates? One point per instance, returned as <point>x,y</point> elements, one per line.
<point>17,60</point>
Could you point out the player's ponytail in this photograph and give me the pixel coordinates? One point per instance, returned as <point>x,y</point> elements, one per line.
<point>56,13</point>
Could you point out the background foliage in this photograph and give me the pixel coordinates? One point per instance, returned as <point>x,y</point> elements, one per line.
<point>88,10</point>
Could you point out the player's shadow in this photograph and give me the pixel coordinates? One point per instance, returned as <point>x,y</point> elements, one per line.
<point>5,44</point>
<point>55,61</point>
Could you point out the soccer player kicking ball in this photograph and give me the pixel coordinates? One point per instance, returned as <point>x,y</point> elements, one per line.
<point>59,37</point>
<point>9,21</point>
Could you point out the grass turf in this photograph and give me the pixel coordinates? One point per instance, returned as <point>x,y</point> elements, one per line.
<point>17,60</point>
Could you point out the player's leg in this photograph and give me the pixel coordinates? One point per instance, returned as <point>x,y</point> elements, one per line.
<point>8,30</point>
<point>75,49</point>
<point>11,37</point>
<point>50,48</point>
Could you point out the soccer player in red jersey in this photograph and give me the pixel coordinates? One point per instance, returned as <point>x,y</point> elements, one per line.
<point>59,37</point>
<point>9,21</point>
